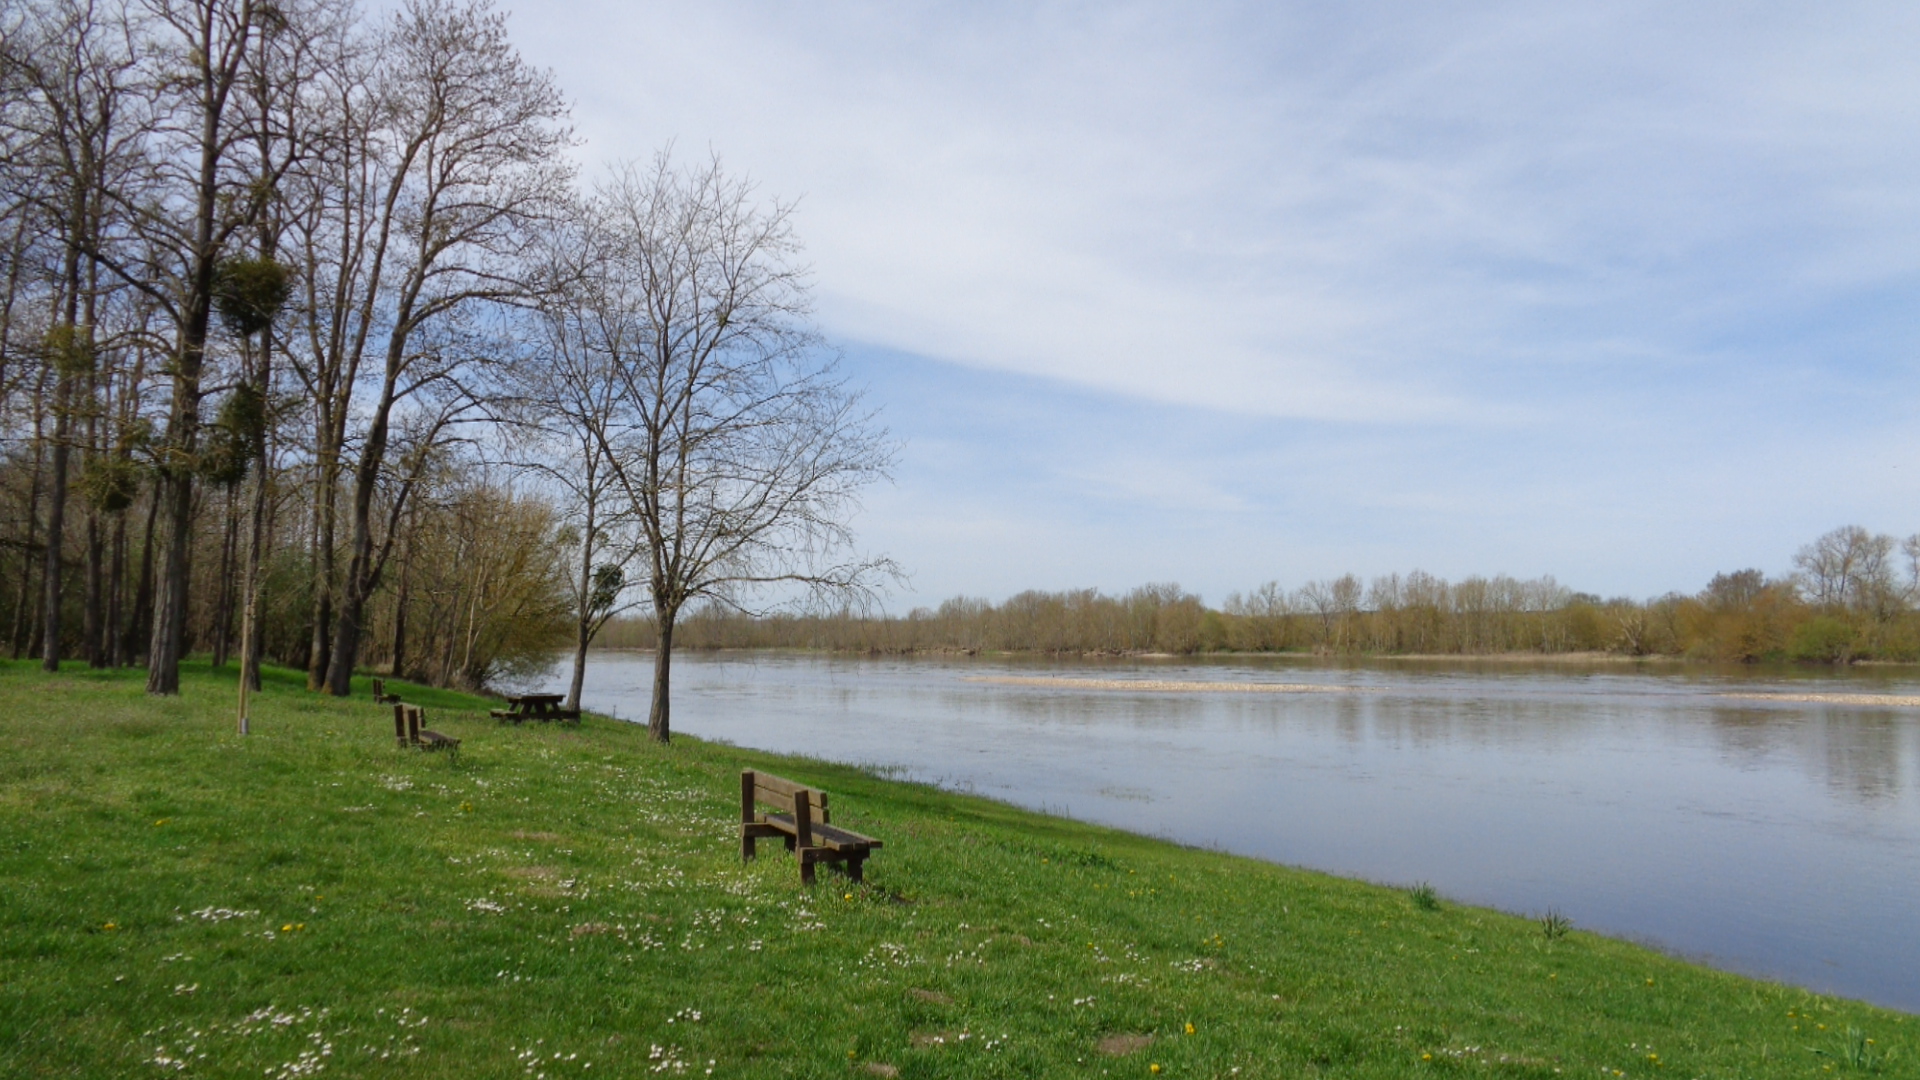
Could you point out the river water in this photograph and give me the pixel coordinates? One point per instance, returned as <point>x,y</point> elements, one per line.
<point>1706,813</point>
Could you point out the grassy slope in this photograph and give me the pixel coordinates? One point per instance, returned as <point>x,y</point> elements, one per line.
<point>563,902</point>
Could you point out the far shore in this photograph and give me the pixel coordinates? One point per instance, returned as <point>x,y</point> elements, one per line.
<point>1567,659</point>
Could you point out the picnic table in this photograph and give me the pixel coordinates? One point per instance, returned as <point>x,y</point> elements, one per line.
<point>543,707</point>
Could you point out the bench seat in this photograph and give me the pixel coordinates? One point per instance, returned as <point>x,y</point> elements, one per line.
<point>827,836</point>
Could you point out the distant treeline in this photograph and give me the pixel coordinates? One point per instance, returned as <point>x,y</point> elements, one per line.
<point>1853,595</point>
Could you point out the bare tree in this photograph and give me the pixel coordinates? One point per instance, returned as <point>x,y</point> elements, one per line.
<point>70,138</point>
<point>1318,598</point>
<point>1849,568</point>
<point>468,149</point>
<point>565,395</point>
<point>732,442</point>
<point>202,195</point>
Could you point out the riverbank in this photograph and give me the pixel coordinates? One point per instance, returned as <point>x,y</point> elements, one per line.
<point>183,901</point>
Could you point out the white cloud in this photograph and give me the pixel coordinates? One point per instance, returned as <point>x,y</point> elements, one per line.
<point>1610,290</point>
<point>1298,211</point>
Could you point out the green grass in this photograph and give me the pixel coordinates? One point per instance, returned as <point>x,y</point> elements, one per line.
<point>1554,926</point>
<point>178,900</point>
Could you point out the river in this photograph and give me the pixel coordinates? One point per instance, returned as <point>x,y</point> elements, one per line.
<point>1718,815</point>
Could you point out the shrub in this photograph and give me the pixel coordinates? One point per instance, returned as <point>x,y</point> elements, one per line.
<point>1823,639</point>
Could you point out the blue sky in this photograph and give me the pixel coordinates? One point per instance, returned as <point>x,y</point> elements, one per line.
<point>1223,293</point>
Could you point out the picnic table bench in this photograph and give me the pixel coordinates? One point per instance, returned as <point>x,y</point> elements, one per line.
<point>407,731</point>
<point>804,823</point>
<point>380,695</point>
<point>543,707</point>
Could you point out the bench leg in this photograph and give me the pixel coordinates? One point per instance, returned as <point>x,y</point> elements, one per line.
<point>746,848</point>
<point>790,841</point>
<point>856,867</point>
<point>806,868</point>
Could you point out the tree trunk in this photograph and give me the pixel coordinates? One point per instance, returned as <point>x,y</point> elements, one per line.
<point>346,647</point>
<point>170,592</point>
<point>319,653</point>
<point>250,635</point>
<point>223,600</point>
<point>94,617</point>
<point>183,417</point>
<point>584,624</point>
<point>362,575</point>
<point>253,642</point>
<point>579,665</point>
<point>21,626</point>
<point>51,577</point>
<point>399,666</point>
<point>116,593</point>
<point>658,728</point>
<point>140,619</point>
<point>38,624</point>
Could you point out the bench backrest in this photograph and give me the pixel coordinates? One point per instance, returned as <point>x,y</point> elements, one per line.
<point>807,805</point>
<point>406,724</point>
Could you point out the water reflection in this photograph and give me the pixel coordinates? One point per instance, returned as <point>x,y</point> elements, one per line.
<point>1863,753</point>
<point>1772,837</point>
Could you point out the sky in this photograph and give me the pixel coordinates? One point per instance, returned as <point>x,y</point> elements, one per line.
<point>1217,293</point>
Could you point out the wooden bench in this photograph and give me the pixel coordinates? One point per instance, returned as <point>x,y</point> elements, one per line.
<point>380,695</point>
<point>407,731</point>
<point>541,707</point>
<point>804,822</point>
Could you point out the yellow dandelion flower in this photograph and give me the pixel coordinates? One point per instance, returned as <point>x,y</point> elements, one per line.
<point>1426,1057</point>
<point>1154,1068</point>
<point>287,929</point>
<point>1189,1028</point>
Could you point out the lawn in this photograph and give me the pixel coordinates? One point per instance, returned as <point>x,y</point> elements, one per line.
<point>179,900</point>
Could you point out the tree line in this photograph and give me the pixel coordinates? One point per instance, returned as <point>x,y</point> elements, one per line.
<point>1852,595</point>
<point>314,347</point>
